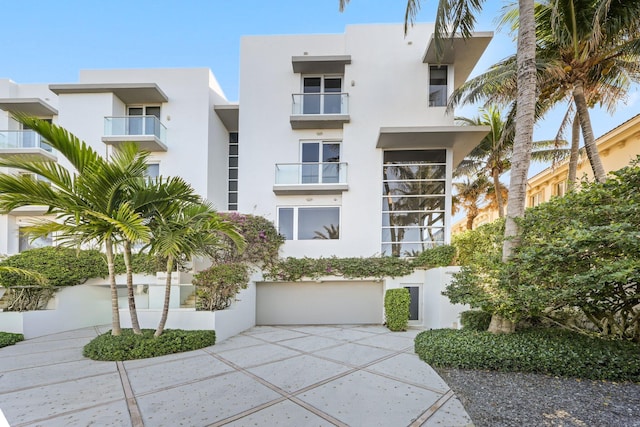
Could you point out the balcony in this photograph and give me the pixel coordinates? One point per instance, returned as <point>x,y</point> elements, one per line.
<point>310,178</point>
<point>25,143</point>
<point>147,131</point>
<point>328,110</point>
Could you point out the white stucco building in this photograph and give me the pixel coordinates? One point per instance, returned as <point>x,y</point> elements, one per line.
<point>342,140</point>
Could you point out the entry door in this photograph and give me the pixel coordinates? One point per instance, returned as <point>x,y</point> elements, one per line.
<point>317,155</point>
<point>414,302</point>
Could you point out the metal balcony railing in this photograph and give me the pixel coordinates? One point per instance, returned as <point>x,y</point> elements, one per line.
<point>320,103</point>
<point>135,125</point>
<point>311,173</point>
<point>17,139</point>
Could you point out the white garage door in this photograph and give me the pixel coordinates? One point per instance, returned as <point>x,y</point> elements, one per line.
<point>313,303</point>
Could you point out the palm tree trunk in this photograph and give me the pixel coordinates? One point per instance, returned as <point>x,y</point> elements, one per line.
<point>115,312</point>
<point>167,298</point>
<point>525,117</point>
<point>496,185</point>
<point>573,157</point>
<point>587,133</point>
<point>135,325</point>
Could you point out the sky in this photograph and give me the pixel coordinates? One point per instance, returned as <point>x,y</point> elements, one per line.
<point>49,41</point>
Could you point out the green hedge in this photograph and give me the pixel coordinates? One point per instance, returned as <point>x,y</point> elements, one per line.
<point>7,338</point>
<point>546,351</point>
<point>396,309</point>
<point>129,346</point>
<point>476,320</point>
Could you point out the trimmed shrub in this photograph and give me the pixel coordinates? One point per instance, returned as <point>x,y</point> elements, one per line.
<point>475,320</point>
<point>545,351</point>
<point>396,309</point>
<point>8,338</point>
<point>293,269</point>
<point>129,346</point>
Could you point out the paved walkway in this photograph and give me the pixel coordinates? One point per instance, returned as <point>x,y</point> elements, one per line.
<point>266,376</point>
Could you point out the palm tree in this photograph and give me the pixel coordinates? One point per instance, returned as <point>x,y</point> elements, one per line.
<point>185,230</point>
<point>458,15</point>
<point>86,204</point>
<point>493,155</point>
<point>470,195</point>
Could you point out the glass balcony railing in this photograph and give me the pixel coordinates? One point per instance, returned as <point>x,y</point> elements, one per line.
<point>18,139</point>
<point>311,173</point>
<point>135,125</point>
<point>320,103</point>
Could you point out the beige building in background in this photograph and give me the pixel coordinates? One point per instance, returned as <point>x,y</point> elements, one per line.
<point>617,148</point>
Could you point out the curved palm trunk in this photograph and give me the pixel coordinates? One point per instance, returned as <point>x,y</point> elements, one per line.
<point>496,185</point>
<point>115,312</point>
<point>135,325</point>
<point>167,298</point>
<point>526,99</point>
<point>587,133</point>
<point>573,157</point>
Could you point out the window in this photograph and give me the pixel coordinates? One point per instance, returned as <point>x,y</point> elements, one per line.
<point>413,201</point>
<point>312,223</point>
<point>322,95</point>
<point>560,188</point>
<point>25,242</point>
<point>233,172</point>
<point>438,85</point>
<point>536,199</point>
<point>142,120</point>
<point>320,162</point>
<point>153,170</point>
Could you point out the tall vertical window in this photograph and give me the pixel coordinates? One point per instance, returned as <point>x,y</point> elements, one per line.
<point>560,188</point>
<point>320,162</point>
<point>536,199</point>
<point>322,95</point>
<point>413,201</point>
<point>438,85</point>
<point>233,171</point>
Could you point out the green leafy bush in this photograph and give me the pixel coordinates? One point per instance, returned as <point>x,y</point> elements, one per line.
<point>60,266</point>
<point>396,309</point>
<point>293,269</point>
<point>262,238</point>
<point>141,263</point>
<point>129,346</point>
<point>546,351</point>
<point>218,285</point>
<point>440,256</point>
<point>8,338</point>
<point>475,320</point>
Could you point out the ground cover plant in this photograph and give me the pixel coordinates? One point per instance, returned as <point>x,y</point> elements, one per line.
<point>129,346</point>
<point>551,351</point>
<point>8,338</point>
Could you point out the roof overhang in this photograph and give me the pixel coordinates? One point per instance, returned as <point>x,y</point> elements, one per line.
<point>129,93</point>
<point>30,106</point>
<point>326,64</point>
<point>229,115</point>
<point>462,53</point>
<point>462,139</point>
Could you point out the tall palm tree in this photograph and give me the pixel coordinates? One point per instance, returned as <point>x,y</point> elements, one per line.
<point>458,15</point>
<point>470,195</point>
<point>86,204</point>
<point>186,230</point>
<point>493,155</point>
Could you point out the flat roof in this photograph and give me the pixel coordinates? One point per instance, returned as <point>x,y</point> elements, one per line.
<point>129,93</point>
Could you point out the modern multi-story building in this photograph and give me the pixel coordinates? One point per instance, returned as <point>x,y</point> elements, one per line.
<point>342,140</point>
<point>617,148</point>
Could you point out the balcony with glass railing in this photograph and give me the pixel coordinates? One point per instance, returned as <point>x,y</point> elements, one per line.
<point>328,110</point>
<point>25,143</point>
<point>310,178</point>
<point>147,131</point>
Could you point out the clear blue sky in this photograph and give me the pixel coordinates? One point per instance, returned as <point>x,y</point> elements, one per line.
<point>47,41</point>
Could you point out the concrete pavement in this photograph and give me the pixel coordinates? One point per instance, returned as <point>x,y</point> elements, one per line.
<point>266,376</point>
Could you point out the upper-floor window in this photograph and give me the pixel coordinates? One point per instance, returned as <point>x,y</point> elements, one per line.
<point>26,242</point>
<point>233,171</point>
<point>153,170</point>
<point>309,223</point>
<point>322,95</point>
<point>320,162</point>
<point>142,120</point>
<point>560,188</point>
<point>438,85</point>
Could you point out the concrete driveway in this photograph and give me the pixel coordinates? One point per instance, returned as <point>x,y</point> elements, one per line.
<point>266,376</point>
